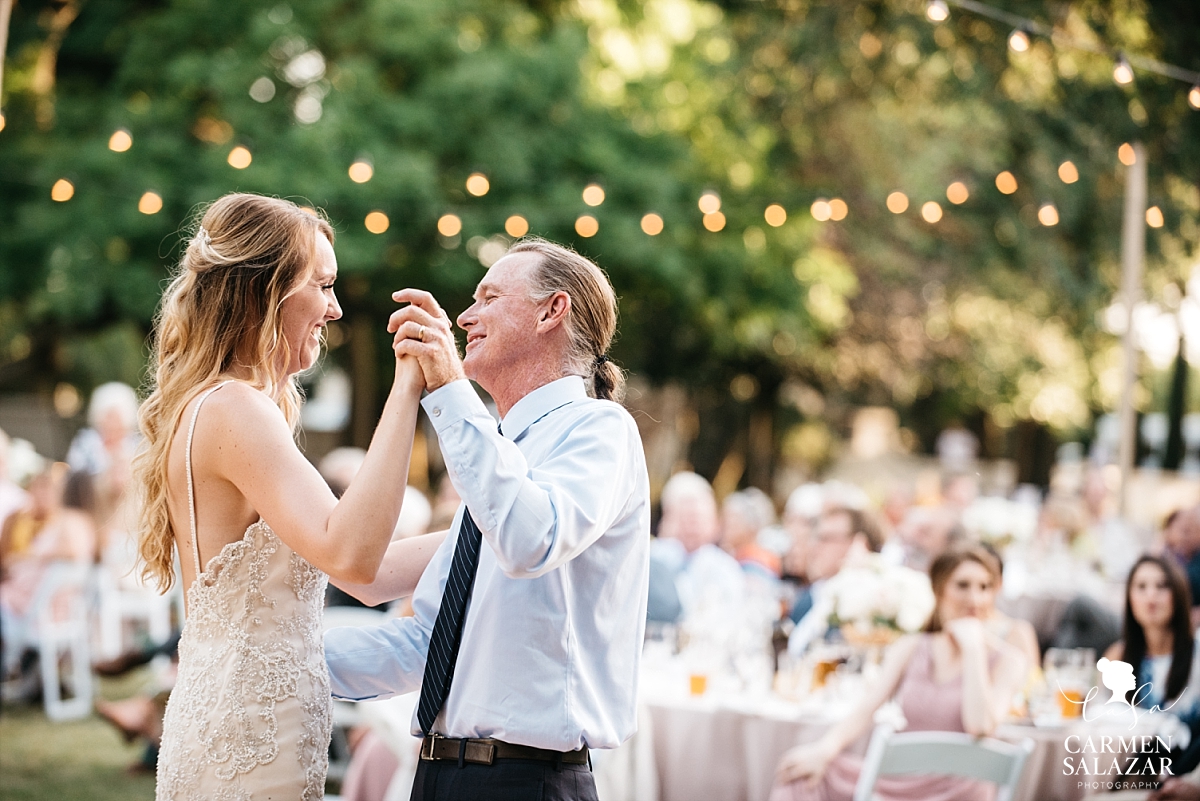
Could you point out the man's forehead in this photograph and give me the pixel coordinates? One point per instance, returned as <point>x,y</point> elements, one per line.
<point>508,274</point>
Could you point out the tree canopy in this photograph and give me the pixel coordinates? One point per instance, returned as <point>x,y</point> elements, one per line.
<point>974,309</point>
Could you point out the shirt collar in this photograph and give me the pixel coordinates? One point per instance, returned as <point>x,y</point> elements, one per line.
<point>539,403</point>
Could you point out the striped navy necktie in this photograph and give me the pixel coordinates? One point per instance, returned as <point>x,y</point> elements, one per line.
<point>448,628</point>
<point>446,637</point>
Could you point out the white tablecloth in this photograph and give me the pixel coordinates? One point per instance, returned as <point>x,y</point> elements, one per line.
<point>724,745</point>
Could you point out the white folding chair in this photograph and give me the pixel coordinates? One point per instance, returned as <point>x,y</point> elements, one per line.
<point>119,604</point>
<point>54,636</point>
<point>345,713</point>
<point>945,754</point>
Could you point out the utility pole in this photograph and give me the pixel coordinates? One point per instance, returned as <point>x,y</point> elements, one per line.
<point>1133,248</point>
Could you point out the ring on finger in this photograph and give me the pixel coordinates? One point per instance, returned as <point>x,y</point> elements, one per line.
<point>421,333</point>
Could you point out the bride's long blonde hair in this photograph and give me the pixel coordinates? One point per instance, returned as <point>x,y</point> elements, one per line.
<point>221,309</point>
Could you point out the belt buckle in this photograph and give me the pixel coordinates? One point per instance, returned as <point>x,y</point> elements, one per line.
<point>430,741</point>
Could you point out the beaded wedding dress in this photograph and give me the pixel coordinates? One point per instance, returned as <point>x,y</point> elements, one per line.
<point>250,715</point>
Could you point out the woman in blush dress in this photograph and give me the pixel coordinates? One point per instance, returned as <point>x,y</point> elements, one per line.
<point>954,677</point>
<point>256,529</point>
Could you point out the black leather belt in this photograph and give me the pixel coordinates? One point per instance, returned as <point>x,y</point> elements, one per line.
<point>484,752</point>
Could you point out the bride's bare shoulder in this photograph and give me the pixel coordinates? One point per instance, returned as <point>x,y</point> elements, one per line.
<point>243,412</point>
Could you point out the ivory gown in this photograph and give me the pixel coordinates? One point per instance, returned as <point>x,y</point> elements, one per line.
<point>251,714</point>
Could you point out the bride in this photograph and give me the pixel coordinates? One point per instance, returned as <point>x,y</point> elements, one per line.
<point>256,529</point>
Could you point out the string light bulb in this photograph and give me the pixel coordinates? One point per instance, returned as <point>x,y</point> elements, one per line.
<point>1068,173</point>
<point>1006,182</point>
<point>586,226</point>
<point>931,212</point>
<point>1127,155</point>
<point>1048,215</point>
<point>62,191</point>
<point>240,158</point>
<point>1193,101</point>
<point>1122,71</point>
<point>1154,217</point>
<point>1018,41</point>
<point>709,203</point>
<point>820,210</point>
<point>478,184</point>
<point>120,141</point>
<point>593,194</point>
<point>361,171</point>
<point>449,225</point>
<point>377,222</point>
<point>897,202</point>
<point>516,226</point>
<point>937,11</point>
<point>714,221</point>
<point>775,215</point>
<point>838,209</point>
<point>957,193</point>
<point>150,203</point>
<point>652,224</point>
<point>2,120</point>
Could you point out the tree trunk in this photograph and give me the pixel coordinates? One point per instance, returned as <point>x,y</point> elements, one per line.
<point>1176,408</point>
<point>363,381</point>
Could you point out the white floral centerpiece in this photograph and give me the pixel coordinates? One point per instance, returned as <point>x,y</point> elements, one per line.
<point>873,602</point>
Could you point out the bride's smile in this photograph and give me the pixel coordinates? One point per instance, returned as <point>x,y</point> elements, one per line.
<point>308,309</point>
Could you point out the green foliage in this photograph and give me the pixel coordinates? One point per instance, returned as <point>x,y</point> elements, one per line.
<point>784,101</point>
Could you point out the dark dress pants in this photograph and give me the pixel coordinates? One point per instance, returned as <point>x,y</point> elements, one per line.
<point>504,780</point>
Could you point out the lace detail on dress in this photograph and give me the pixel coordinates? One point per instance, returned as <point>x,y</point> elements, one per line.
<point>250,715</point>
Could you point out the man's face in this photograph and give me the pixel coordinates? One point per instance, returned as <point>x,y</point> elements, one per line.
<point>830,543</point>
<point>692,521</point>
<point>1191,531</point>
<point>501,324</point>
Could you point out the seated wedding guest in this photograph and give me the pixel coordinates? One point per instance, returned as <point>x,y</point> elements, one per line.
<point>924,534</point>
<point>840,535</point>
<point>687,569</point>
<point>138,718</point>
<point>445,505</point>
<point>111,433</point>
<point>955,677</point>
<point>744,515</point>
<point>1108,541</point>
<point>1013,630</point>
<point>12,497</point>
<point>1181,536</point>
<point>54,533</point>
<point>896,504</point>
<point>1157,638</point>
<point>340,466</point>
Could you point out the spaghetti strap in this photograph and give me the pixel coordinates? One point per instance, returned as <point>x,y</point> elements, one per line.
<point>191,490</point>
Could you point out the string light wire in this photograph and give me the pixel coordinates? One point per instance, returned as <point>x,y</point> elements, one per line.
<point>1060,39</point>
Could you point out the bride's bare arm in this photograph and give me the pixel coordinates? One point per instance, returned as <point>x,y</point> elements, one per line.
<point>402,567</point>
<point>252,448</point>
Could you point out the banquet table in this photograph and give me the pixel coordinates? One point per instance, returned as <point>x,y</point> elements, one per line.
<point>724,744</point>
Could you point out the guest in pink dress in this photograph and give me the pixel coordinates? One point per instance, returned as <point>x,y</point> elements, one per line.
<point>955,677</point>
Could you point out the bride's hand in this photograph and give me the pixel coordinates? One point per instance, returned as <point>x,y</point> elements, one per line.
<point>409,377</point>
<point>804,762</point>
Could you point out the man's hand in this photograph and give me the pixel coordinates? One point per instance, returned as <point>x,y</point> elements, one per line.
<point>423,330</point>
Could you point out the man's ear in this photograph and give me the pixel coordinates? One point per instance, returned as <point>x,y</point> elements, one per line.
<point>554,311</point>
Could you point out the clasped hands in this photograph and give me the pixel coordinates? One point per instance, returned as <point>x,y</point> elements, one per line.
<point>426,351</point>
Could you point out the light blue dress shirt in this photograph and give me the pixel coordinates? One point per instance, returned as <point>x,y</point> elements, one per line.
<point>555,622</point>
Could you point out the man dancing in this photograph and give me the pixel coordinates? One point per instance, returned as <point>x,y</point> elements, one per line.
<point>529,619</point>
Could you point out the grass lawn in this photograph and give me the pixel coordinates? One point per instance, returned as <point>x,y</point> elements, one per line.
<point>82,760</point>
